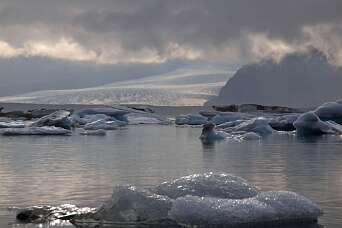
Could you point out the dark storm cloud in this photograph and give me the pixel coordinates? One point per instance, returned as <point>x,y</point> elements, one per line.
<point>128,27</point>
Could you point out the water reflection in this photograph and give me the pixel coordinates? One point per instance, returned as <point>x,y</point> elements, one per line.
<point>83,170</point>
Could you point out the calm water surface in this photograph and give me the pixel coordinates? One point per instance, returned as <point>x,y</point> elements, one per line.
<point>82,170</point>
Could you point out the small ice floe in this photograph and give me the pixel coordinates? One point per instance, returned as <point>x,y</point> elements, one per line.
<point>203,200</point>
<point>99,132</point>
<point>191,119</point>
<point>36,131</point>
<point>330,111</point>
<point>45,214</point>
<point>209,133</point>
<point>310,124</point>
<point>284,122</point>
<point>134,119</point>
<point>57,119</point>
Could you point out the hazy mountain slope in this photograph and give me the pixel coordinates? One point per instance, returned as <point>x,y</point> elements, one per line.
<point>300,80</point>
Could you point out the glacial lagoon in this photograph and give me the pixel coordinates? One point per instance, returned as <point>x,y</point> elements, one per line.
<point>82,170</point>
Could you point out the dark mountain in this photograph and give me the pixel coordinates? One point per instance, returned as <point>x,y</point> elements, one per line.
<point>303,79</point>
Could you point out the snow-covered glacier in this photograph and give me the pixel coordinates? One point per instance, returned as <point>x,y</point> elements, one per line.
<point>179,87</point>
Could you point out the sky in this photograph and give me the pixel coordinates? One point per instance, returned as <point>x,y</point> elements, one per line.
<point>117,38</point>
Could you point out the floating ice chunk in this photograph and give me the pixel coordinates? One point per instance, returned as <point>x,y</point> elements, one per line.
<point>330,111</point>
<point>36,131</point>
<point>105,125</point>
<point>219,185</point>
<point>57,119</point>
<point>12,124</point>
<point>210,134</point>
<point>284,122</point>
<point>93,118</point>
<point>191,119</point>
<point>257,125</point>
<point>132,204</point>
<point>266,208</point>
<point>118,114</point>
<point>251,136</point>
<point>310,124</point>
<point>99,132</point>
<point>229,116</point>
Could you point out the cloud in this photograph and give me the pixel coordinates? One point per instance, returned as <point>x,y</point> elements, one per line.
<point>146,31</point>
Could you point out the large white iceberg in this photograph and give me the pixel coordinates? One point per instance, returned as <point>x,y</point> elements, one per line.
<point>264,209</point>
<point>219,185</point>
<point>310,124</point>
<point>191,119</point>
<point>36,131</point>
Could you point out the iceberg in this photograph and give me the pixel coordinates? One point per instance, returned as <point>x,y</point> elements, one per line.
<point>220,185</point>
<point>58,119</point>
<point>284,122</point>
<point>136,119</point>
<point>191,119</point>
<point>266,208</point>
<point>36,131</point>
<point>210,134</point>
<point>201,200</point>
<point>330,111</point>
<point>310,124</point>
<point>82,116</point>
<point>257,125</point>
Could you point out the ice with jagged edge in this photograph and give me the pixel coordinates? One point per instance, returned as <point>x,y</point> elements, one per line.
<point>258,125</point>
<point>9,123</point>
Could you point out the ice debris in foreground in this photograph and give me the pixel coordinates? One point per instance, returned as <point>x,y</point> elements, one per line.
<point>205,200</point>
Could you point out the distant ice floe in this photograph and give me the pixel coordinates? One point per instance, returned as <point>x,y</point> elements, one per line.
<point>203,200</point>
<point>99,132</point>
<point>57,119</point>
<point>8,123</point>
<point>330,111</point>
